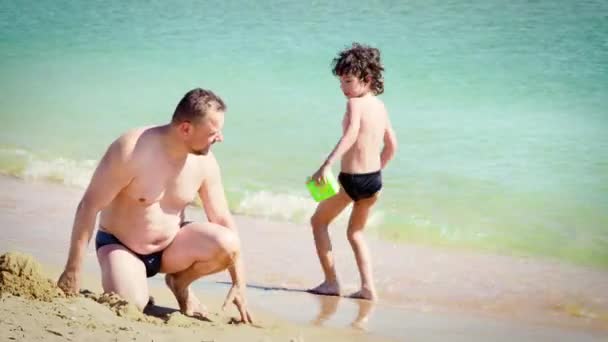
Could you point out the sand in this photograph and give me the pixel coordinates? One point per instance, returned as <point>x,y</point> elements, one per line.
<point>21,275</point>
<point>34,308</point>
<point>426,293</point>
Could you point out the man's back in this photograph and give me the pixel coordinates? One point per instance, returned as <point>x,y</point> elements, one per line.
<point>364,155</point>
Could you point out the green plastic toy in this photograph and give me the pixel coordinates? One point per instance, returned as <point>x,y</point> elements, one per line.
<point>324,190</point>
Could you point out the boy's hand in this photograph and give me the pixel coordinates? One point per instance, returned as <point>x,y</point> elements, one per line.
<point>319,176</point>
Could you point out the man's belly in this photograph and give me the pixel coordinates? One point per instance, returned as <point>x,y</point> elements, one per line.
<point>143,237</point>
<point>146,243</point>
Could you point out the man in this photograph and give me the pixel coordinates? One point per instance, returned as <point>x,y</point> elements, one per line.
<point>141,188</point>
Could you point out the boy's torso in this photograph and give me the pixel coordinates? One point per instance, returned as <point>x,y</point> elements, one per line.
<point>364,154</point>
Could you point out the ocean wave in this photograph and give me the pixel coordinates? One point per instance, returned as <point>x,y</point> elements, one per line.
<point>290,207</point>
<point>31,167</point>
<point>284,206</point>
<point>395,224</point>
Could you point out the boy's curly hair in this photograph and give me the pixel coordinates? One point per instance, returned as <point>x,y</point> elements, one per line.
<point>361,61</point>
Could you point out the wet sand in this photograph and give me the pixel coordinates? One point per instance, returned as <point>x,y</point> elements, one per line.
<point>425,293</point>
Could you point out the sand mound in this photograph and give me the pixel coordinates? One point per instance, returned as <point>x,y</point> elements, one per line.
<point>21,275</point>
<point>123,308</point>
<point>118,305</point>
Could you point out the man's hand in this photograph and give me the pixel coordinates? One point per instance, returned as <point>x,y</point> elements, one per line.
<point>69,282</point>
<point>235,296</point>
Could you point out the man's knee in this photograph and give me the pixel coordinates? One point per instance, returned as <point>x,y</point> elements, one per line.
<point>229,243</point>
<point>141,300</point>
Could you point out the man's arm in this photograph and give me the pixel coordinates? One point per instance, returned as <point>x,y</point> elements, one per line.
<point>390,145</point>
<point>216,208</point>
<point>111,175</point>
<point>236,294</point>
<point>213,197</point>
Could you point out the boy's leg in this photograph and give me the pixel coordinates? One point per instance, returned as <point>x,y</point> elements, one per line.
<point>123,273</point>
<point>320,220</point>
<point>356,224</point>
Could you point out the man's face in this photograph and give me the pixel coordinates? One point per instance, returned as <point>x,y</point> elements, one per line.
<point>352,86</point>
<point>206,133</point>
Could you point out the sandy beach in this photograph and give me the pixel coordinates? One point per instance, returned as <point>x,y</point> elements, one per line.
<point>425,293</point>
<point>35,309</point>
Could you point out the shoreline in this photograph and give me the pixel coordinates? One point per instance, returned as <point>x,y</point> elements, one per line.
<point>425,292</point>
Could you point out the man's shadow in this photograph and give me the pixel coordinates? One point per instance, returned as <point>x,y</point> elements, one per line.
<point>165,313</point>
<point>161,312</point>
<point>151,309</point>
<point>328,305</point>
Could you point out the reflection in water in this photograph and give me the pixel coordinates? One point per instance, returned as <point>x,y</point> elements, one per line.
<point>328,305</point>
<point>365,310</point>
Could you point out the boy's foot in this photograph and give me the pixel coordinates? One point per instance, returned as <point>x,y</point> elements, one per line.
<point>327,289</point>
<point>364,294</point>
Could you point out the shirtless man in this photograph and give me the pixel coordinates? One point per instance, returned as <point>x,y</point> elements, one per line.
<point>367,144</point>
<point>140,188</point>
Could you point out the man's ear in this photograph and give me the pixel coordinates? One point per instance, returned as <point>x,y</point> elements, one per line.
<point>185,127</point>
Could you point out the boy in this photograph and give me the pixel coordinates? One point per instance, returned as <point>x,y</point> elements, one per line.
<point>366,128</point>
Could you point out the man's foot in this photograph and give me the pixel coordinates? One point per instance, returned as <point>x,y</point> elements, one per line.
<point>364,294</point>
<point>327,289</point>
<point>189,305</point>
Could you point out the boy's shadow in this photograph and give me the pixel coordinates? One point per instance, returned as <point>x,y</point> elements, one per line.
<point>328,305</point>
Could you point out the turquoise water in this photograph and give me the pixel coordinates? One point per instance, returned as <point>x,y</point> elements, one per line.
<point>500,108</point>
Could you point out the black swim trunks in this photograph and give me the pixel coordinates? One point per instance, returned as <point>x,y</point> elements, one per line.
<point>359,186</point>
<point>152,262</point>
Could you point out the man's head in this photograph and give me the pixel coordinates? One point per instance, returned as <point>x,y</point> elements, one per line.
<point>199,119</point>
<point>359,68</point>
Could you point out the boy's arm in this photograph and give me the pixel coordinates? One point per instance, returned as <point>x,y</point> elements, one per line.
<point>111,175</point>
<point>390,145</point>
<point>351,131</point>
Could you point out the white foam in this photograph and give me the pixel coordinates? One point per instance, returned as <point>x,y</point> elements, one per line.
<point>66,171</point>
<point>290,207</point>
<point>28,166</point>
<point>293,207</point>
